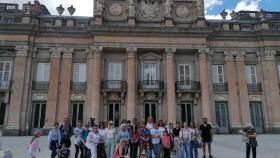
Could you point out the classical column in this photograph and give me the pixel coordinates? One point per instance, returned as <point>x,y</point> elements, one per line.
<point>66,73</point>
<point>271,89</point>
<point>131,83</point>
<point>242,87</point>
<point>19,68</point>
<point>204,85</point>
<point>51,110</point>
<point>89,84</point>
<point>170,79</point>
<point>234,109</point>
<point>96,68</point>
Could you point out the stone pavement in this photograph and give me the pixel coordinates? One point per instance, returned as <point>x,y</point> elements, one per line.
<point>224,146</point>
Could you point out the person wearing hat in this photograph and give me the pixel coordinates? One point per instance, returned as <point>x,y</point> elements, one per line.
<point>92,141</point>
<point>251,142</point>
<point>110,139</point>
<point>54,139</point>
<point>33,147</point>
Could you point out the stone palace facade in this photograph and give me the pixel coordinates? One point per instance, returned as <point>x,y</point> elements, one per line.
<point>138,58</point>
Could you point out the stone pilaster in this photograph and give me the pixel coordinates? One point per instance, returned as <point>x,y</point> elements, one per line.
<point>242,87</point>
<point>271,90</point>
<point>96,79</point>
<point>170,79</point>
<point>204,86</point>
<point>52,101</point>
<point>131,83</point>
<point>66,73</point>
<point>13,121</point>
<point>234,108</point>
<point>89,84</point>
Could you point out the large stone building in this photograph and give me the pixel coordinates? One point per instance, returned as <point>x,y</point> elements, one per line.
<point>138,58</point>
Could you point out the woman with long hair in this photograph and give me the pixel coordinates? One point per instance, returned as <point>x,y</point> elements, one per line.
<point>185,138</point>
<point>110,139</point>
<point>134,141</point>
<point>194,133</point>
<point>54,139</point>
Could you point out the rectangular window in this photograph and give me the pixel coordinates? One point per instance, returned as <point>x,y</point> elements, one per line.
<point>115,71</point>
<point>150,72</point>
<point>251,73</point>
<point>43,72</point>
<point>184,72</point>
<point>217,73</point>
<point>79,72</point>
<point>5,70</point>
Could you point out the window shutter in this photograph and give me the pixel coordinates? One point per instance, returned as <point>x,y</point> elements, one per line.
<point>188,73</point>
<point>79,72</point>
<point>220,70</point>
<point>254,74</point>
<point>115,71</point>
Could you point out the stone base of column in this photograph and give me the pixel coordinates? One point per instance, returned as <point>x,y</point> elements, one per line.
<point>131,22</point>
<point>98,21</point>
<point>11,130</point>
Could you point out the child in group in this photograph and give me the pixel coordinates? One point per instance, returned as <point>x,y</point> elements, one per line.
<point>166,143</point>
<point>148,151</point>
<point>33,147</point>
<point>64,151</point>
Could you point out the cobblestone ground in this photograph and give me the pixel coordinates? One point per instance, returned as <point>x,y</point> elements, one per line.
<point>224,146</point>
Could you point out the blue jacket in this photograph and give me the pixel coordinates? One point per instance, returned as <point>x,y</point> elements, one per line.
<point>50,136</point>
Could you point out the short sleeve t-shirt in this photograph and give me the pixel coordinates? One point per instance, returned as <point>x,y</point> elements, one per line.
<point>155,132</point>
<point>205,132</point>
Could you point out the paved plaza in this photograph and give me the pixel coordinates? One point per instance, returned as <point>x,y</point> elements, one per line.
<point>224,146</point>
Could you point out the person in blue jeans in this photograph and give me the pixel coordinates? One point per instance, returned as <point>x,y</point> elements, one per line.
<point>123,134</point>
<point>54,139</point>
<point>194,133</point>
<point>155,135</point>
<point>185,139</point>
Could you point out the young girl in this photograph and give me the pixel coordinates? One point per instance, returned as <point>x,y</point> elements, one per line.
<point>166,143</point>
<point>92,141</point>
<point>33,147</point>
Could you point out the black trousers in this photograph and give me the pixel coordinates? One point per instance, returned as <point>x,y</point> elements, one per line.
<point>166,152</point>
<point>248,150</point>
<point>79,148</point>
<point>133,149</point>
<point>66,141</point>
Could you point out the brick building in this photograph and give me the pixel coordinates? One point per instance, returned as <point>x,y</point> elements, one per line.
<point>138,59</point>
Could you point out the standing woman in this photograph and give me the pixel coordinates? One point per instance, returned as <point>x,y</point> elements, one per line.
<point>150,123</point>
<point>92,141</point>
<point>54,139</point>
<point>134,141</point>
<point>250,133</point>
<point>155,135</point>
<point>101,152</point>
<point>185,138</point>
<point>194,140</point>
<point>110,139</point>
<point>78,139</point>
<point>123,134</point>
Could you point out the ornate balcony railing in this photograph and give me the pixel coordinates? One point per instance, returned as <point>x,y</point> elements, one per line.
<point>187,85</point>
<point>114,85</point>
<point>40,86</point>
<point>78,86</point>
<point>151,85</point>
<point>254,87</point>
<point>220,87</point>
<point>5,85</point>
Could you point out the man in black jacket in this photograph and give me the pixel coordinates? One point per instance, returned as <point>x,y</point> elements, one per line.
<point>66,131</point>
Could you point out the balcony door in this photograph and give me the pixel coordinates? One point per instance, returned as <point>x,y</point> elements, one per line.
<point>251,74</point>
<point>5,74</point>
<point>222,117</point>
<point>150,75</point>
<point>187,112</point>
<point>2,113</point>
<point>184,75</point>
<point>256,116</point>
<point>114,75</point>
<point>114,112</point>
<point>39,112</point>
<point>77,111</point>
<point>150,109</point>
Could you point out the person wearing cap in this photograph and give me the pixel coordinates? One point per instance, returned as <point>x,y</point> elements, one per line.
<point>92,141</point>
<point>251,142</point>
<point>54,139</point>
<point>33,147</point>
<point>110,139</point>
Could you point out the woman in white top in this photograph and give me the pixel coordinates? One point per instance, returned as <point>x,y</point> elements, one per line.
<point>194,140</point>
<point>150,123</point>
<point>185,137</point>
<point>92,141</point>
<point>110,139</point>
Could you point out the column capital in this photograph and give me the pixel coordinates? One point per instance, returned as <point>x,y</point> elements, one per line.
<point>56,52</point>
<point>22,50</point>
<point>240,56</point>
<point>131,51</point>
<point>170,51</point>
<point>269,54</point>
<point>67,52</point>
<point>229,55</point>
<point>96,50</point>
<point>203,52</point>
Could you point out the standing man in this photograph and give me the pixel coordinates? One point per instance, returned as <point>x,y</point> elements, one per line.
<point>66,131</point>
<point>206,137</point>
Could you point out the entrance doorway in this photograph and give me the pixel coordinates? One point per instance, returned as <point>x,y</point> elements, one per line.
<point>39,111</point>
<point>222,117</point>
<point>187,112</point>
<point>256,116</point>
<point>114,109</point>
<point>77,112</point>
<point>150,109</point>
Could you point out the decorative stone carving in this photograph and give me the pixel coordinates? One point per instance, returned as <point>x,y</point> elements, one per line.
<point>203,52</point>
<point>224,14</point>
<point>131,52</point>
<point>28,8</point>
<point>255,98</point>
<point>170,51</point>
<point>182,11</point>
<point>115,9</point>
<point>269,54</point>
<point>22,50</point>
<point>221,97</point>
<point>96,50</point>
<point>78,97</point>
<point>71,10</point>
<point>229,55</point>
<point>149,8</point>
<point>131,8</point>
<point>240,56</point>
<point>39,96</point>
<point>99,7</point>
<point>55,52</point>
<point>168,7</point>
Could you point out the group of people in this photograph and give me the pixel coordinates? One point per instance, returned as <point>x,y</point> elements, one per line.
<point>132,139</point>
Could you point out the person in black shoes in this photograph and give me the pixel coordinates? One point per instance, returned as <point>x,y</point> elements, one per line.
<point>66,131</point>
<point>206,137</point>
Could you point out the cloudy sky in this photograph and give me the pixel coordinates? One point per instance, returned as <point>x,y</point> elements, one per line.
<point>212,7</point>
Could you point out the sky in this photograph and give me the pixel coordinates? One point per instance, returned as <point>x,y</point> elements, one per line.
<point>212,7</point>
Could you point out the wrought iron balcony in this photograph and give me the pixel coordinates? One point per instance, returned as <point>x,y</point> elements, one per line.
<point>78,86</point>
<point>220,87</point>
<point>40,85</point>
<point>187,85</point>
<point>151,85</point>
<point>5,85</point>
<point>114,85</point>
<point>254,87</point>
